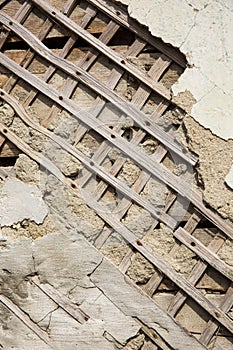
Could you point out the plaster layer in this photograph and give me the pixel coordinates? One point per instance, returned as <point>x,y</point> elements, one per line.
<point>19,201</point>
<point>202,30</point>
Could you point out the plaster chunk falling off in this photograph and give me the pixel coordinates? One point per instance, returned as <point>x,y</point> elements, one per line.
<point>202,30</point>
<point>20,201</point>
<point>229,178</point>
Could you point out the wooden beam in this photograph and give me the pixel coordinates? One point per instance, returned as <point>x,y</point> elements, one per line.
<point>203,252</point>
<point>143,160</point>
<point>111,220</point>
<point>52,12</point>
<point>121,16</point>
<point>81,75</point>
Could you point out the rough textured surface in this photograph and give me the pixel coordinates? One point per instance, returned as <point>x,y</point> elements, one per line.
<point>204,90</point>
<point>209,77</point>
<point>77,260</point>
<point>215,159</point>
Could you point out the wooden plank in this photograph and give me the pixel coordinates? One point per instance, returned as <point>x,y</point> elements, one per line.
<point>60,299</point>
<point>85,64</point>
<point>212,327</point>
<point>93,167</point>
<point>45,29</point>
<point>140,158</point>
<point>25,319</point>
<point>204,253</point>
<point>140,246</point>
<point>20,16</point>
<point>104,49</point>
<point>81,75</point>
<point>133,302</point>
<point>198,270</point>
<point>122,17</point>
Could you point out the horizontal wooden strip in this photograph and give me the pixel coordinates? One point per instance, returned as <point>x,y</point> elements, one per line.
<point>25,319</point>
<point>104,49</point>
<point>144,161</point>
<point>61,300</point>
<point>111,220</point>
<point>121,16</point>
<point>92,166</point>
<point>81,75</point>
<point>203,252</point>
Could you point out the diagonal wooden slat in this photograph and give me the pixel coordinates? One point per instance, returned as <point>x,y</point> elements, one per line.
<point>197,247</point>
<point>25,319</point>
<point>78,73</point>
<point>61,300</point>
<point>119,185</point>
<point>140,158</point>
<point>111,54</point>
<point>121,16</point>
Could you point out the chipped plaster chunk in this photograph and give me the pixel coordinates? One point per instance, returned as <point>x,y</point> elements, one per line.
<point>214,112</point>
<point>193,79</point>
<point>20,201</point>
<point>203,32</point>
<point>229,178</point>
<point>170,20</point>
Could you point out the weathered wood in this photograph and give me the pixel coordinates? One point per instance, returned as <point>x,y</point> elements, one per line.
<point>197,272</point>
<point>113,79</point>
<point>140,158</point>
<point>133,302</point>
<point>212,327</point>
<point>121,16</point>
<point>78,73</point>
<point>100,171</point>
<point>139,98</point>
<point>85,64</point>
<point>204,253</point>
<point>61,300</point>
<point>25,319</point>
<point>214,311</point>
<point>104,49</point>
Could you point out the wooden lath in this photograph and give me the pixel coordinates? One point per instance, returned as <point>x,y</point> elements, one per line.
<point>113,136</point>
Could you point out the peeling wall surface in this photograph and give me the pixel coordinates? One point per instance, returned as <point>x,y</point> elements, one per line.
<point>202,30</point>
<point>116,175</point>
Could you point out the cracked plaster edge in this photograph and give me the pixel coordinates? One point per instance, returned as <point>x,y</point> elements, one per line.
<point>194,82</point>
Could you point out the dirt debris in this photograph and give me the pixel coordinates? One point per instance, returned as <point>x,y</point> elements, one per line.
<point>136,343</point>
<point>29,229</point>
<point>140,271</point>
<point>6,114</point>
<point>129,173</point>
<point>32,137</point>
<point>27,170</point>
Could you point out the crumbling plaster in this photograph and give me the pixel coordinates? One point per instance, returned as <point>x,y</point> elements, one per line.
<point>202,30</point>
